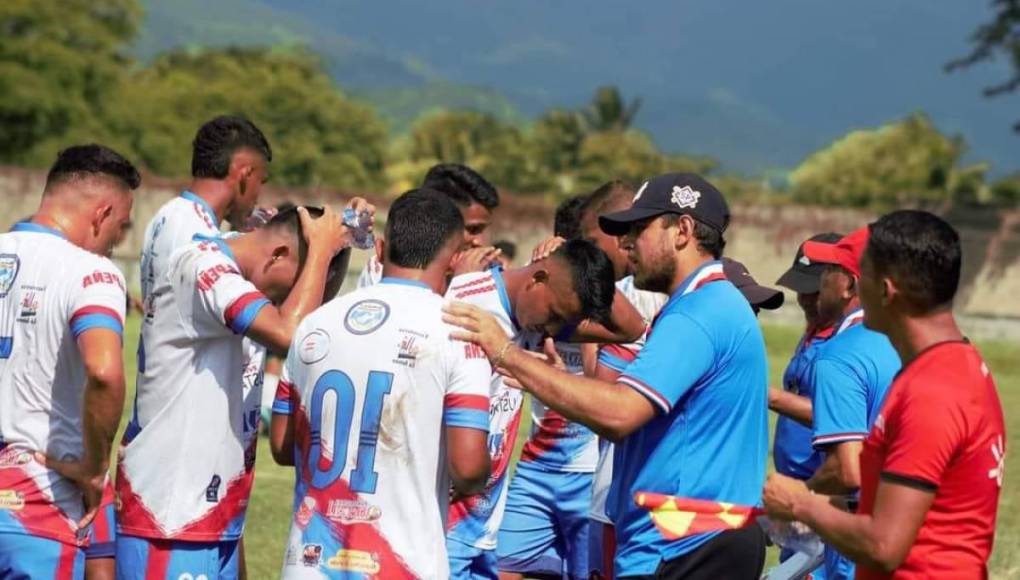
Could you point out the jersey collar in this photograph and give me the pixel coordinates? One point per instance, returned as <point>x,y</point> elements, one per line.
<point>27,226</point>
<point>204,205</point>
<point>706,273</point>
<point>850,320</point>
<point>219,241</point>
<point>405,282</point>
<point>504,298</point>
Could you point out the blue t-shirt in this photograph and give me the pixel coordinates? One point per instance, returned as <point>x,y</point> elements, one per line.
<point>793,453</point>
<point>704,369</point>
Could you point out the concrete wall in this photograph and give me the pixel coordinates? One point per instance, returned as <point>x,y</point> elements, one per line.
<point>763,237</point>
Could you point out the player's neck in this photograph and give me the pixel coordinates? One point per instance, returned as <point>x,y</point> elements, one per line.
<point>687,262</point>
<point>434,278</point>
<point>515,281</point>
<point>214,192</point>
<point>69,224</point>
<point>852,306</point>
<point>912,335</point>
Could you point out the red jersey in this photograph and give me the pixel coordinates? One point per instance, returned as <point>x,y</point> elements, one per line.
<point>941,429</point>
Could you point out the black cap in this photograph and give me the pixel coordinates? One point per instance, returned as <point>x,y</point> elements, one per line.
<point>759,296</point>
<point>805,276</point>
<point>678,193</point>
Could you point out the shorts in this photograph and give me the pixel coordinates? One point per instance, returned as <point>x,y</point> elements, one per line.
<point>545,526</point>
<point>837,566</point>
<point>24,557</point>
<point>103,534</point>
<point>601,549</point>
<point>733,554</point>
<point>149,559</point>
<point>471,563</point>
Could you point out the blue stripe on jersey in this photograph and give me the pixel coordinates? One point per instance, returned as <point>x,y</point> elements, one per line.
<point>470,418</point>
<point>203,204</point>
<point>27,226</point>
<point>612,362</point>
<point>242,323</point>
<point>504,298</point>
<point>90,321</point>
<point>281,407</point>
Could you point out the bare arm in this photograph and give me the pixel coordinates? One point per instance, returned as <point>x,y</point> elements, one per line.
<point>840,473</point>
<point>793,406</point>
<point>468,454</point>
<point>281,439</point>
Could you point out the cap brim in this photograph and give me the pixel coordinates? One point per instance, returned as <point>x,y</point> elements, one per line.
<point>800,282</point>
<point>618,224</point>
<point>822,252</point>
<point>763,297</point>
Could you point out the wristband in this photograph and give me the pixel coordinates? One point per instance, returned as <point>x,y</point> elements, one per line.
<point>498,361</point>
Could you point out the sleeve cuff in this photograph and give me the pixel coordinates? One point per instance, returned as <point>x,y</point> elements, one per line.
<point>90,317</point>
<point>823,440</point>
<point>240,315</point>
<point>660,402</point>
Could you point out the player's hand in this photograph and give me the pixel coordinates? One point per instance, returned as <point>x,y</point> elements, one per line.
<point>546,248</point>
<point>478,327</point>
<point>326,233</point>
<point>781,494</point>
<point>90,483</point>
<point>360,204</point>
<point>475,260</point>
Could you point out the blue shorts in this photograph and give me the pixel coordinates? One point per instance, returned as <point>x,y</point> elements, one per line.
<point>145,558</point>
<point>601,549</point>
<point>103,534</point>
<point>471,563</point>
<point>24,557</point>
<point>837,566</point>
<point>545,527</point>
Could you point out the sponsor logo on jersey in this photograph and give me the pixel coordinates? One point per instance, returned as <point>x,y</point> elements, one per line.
<point>208,277</point>
<point>311,554</point>
<point>313,347</point>
<point>348,511</point>
<point>407,351</point>
<point>305,511</point>
<point>9,266</point>
<point>212,491</point>
<point>98,277</point>
<point>13,458</point>
<point>29,307</point>
<point>11,499</point>
<point>366,316</point>
<point>473,351</point>
<point>354,561</point>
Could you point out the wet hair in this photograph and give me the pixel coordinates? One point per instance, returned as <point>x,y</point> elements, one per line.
<point>288,223</point>
<point>217,141</point>
<point>462,184</point>
<point>420,223</point>
<point>92,160</point>
<point>921,252</point>
<point>592,276</point>
<point>567,220</point>
<point>508,248</point>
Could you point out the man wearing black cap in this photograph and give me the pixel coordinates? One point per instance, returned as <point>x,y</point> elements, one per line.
<point>689,414</point>
<point>758,296</point>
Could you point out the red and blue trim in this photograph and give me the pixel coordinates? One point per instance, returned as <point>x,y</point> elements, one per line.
<point>90,317</point>
<point>616,357</point>
<point>654,396</point>
<point>837,438</point>
<point>281,401</point>
<point>470,411</point>
<point>242,312</point>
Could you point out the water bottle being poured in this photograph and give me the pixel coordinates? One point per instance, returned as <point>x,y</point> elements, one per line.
<point>359,223</point>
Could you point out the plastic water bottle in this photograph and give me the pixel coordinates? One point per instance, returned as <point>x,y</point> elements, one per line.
<point>794,536</point>
<point>359,222</point>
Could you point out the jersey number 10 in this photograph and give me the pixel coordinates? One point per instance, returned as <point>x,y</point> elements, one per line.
<point>363,478</point>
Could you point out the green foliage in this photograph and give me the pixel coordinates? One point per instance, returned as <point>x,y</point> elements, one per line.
<point>904,162</point>
<point>1006,191</point>
<point>60,62</point>
<point>318,135</point>
<point>608,111</point>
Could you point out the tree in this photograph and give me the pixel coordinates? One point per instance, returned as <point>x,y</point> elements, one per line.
<point>60,64</point>
<point>904,162</point>
<point>318,135</point>
<point>608,111</point>
<point>1000,37</point>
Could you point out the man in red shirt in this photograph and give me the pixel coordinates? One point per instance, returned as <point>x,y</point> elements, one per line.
<point>932,466</point>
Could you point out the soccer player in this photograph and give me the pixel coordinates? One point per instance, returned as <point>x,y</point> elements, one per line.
<point>698,429</point>
<point>850,377</point>
<point>474,196</point>
<point>185,473</point>
<point>933,463</point>
<point>61,371</point>
<point>572,288</point>
<point>381,405</point>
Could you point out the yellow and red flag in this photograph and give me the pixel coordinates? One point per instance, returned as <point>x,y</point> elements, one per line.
<point>679,517</point>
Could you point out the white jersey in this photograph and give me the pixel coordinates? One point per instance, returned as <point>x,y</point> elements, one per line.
<point>617,357</point>
<point>475,520</point>
<point>51,292</point>
<point>186,465</point>
<point>371,379</point>
<point>371,273</point>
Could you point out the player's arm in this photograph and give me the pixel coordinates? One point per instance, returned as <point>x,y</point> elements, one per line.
<point>790,405</point>
<point>840,473</point>
<point>625,324</point>
<point>466,417</point>
<point>281,424</point>
<point>468,452</point>
<point>840,424</point>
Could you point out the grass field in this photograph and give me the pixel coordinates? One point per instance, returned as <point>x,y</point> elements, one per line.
<point>269,512</point>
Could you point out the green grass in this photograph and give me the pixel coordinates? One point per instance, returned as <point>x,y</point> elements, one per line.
<point>269,512</point>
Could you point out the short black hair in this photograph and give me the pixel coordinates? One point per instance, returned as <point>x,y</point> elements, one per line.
<point>921,252</point>
<point>217,141</point>
<point>462,184</point>
<point>592,275</point>
<point>606,195</point>
<point>567,221</point>
<point>710,240</point>
<point>288,223</point>
<point>419,224</point>
<point>508,248</point>
<point>82,161</point>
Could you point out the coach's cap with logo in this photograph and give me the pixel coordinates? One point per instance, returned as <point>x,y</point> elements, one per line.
<point>805,276</point>
<point>759,296</point>
<point>677,193</point>
<point>847,252</point>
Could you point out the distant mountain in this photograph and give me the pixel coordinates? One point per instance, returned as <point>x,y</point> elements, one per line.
<point>757,85</point>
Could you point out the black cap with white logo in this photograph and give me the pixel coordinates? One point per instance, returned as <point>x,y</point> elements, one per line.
<point>677,193</point>
<point>805,276</point>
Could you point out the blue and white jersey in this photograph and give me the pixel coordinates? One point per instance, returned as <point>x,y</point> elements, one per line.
<point>704,370</point>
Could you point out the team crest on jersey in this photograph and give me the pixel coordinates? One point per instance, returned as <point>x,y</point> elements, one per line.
<point>314,346</point>
<point>366,316</point>
<point>9,266</point>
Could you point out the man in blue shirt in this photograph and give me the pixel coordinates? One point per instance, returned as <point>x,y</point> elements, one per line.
<point>851,374</point>
<point>690,413</point>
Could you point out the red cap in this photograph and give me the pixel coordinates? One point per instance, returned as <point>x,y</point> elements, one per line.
<point>846,253</point>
